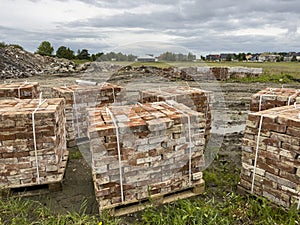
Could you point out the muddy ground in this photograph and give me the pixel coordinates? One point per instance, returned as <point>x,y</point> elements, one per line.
<point>229,111</point>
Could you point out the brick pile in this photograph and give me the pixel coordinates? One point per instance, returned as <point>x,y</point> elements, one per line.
<point>23,90</point>
<point>220,73</point>
<point>157,149</point>
<point>196,99</point>
<point>276,169</point>
<point>273,97</point>
<point>79,98</point>
<point>26,157</point>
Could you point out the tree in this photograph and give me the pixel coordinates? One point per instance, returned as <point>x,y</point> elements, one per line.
<point>45,48</point>
<point>64,52</point>
<point>294,58</point>
<point>96,56</point>
<point>228,57</point>
<point>191,57</point>
<point>83,54</point>
<point>131,57</point>
<point>2,44</point>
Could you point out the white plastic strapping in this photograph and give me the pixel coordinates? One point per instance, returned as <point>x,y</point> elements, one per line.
<point>258,139</point>
<point>19,88</point>
<point>34,140</point>
<point>119,151</point>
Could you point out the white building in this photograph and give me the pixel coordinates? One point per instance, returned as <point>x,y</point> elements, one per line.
<point>146,58</point>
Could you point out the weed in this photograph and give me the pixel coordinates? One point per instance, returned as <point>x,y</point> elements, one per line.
<point>75,155</point>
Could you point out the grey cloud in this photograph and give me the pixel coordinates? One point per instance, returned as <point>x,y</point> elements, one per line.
<point>199,25</point>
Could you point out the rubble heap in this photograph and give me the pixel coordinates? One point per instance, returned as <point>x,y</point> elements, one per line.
<point>270,154</point>
<point>170,73</point>
<point>23,90</point>
<point>144,150</point>
<point>32,140</point>
<point>61,66</point>
<point>17,63</point>
<point>196,99</point>
<point>273,97</point>
<point>79,98</point>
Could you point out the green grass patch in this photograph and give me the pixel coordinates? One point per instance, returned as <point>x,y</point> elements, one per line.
<point>273,72</point>
<point>282,78</point>
<point>75,154</point>
<point>153,64</point>
<point>18,211</point>
<point>234,209</point>
<point>80,61</point>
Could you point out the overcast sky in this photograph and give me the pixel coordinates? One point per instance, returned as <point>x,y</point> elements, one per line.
<point>153,26</point>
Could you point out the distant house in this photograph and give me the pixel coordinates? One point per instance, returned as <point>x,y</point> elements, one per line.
<point>291,55</point>
<point>146,58</point>
<point>226,56</point>
<point>266,57</point>
<point>254,57</point>
<point>212,57</point>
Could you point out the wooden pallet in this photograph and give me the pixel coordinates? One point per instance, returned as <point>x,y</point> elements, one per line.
<point>157,200</point>
<point>26,190</point>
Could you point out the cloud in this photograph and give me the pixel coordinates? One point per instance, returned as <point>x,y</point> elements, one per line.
<point>197,25</point>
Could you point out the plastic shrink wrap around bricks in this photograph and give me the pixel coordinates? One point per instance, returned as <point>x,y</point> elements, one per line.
<point>145,149</point>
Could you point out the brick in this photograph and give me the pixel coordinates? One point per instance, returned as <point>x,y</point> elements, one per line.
<point>278,153</point>
<point>86,97</point>
<point>17,146</point>
<point>155,160</point>
<point>27,90</point>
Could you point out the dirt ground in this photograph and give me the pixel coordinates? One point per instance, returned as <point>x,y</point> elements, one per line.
<point>229,111</point>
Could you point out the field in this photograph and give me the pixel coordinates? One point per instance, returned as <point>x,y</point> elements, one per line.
<point>220,204</point>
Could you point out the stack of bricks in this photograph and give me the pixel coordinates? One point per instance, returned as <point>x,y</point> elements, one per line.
<point>26,157</point>
<point>196,99</point>
<point>156,149</point>
<point>220,73</point>
<point>271,154</point>
<point>81,97</point>
<point>273,97</point>
<point>23,90</point>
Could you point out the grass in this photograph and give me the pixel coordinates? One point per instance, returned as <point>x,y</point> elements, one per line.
<point>17,211</point>
<point>153,64</point>
<point>75,154</point>
<point>80,61</point>
<point>220,204</point>
<point>275,72</point>
<point>234,209</point>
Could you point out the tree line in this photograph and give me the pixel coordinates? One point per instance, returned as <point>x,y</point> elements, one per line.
<point>46,49</point>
